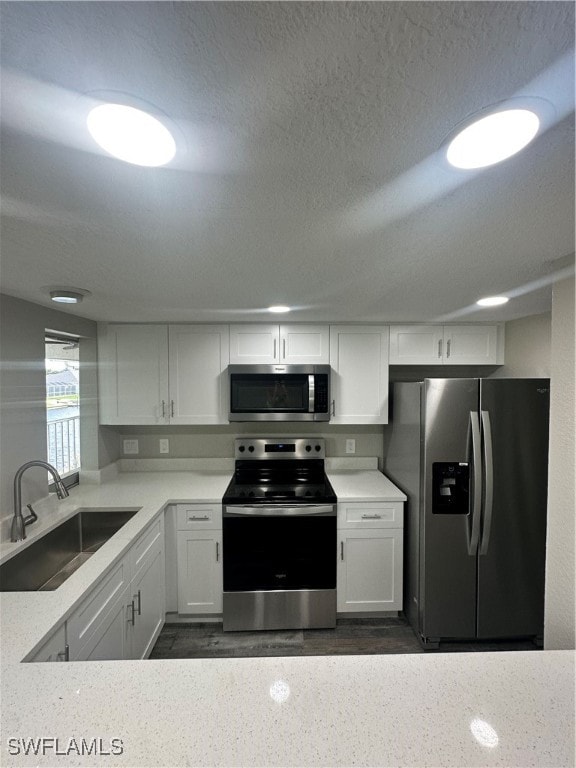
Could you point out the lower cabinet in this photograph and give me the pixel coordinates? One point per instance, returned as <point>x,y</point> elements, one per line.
<point>199,558</point>
<point>112,638</point>
<point>147,613</point>
<point>54,648</point>
<point>370,557</point>
<point>123,615</point>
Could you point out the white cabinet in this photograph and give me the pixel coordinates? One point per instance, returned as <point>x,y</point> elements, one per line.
<point>147,590</point>
<point>199,557</point>
<point>446,345</point>
<point>370,556</point>
<point>289,344</point>
<point>147,615</point>
<point>159,374</point>
<point>123,615</point>
<point>133,374</point>
<point>359,381</point>
<point>54,648</point>
<point>112,639</point>
<point>198,381</point>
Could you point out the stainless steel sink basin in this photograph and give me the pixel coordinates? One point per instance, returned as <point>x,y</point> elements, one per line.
<point>48,562</point>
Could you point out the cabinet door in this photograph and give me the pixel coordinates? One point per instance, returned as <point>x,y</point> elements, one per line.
<point>369,574</point>
<point>305,344</point>
<point>112,638</point>
<point>148,598</point>
<point>198,357</point>
<point>199,572</point>
<point>254,344</point>
<point>133,374</point>
<point>359,360</point>
<point>471,344</point>
<point>416,344</point>
<point>54,649</point>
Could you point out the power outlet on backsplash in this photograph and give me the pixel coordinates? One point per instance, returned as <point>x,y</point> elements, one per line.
<point>130,447</point>
<point>350,445</point>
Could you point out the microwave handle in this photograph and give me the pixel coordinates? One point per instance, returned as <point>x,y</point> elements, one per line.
<point>311,393</point>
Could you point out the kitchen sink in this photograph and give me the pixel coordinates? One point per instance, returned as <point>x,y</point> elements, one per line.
<point>49,561</point>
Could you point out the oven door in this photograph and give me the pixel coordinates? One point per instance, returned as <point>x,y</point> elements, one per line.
<point>279,548</point>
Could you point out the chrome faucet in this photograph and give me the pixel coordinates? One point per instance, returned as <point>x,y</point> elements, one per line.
<point>19,522</point>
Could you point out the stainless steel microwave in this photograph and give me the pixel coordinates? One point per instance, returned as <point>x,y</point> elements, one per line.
<point>279,392</point>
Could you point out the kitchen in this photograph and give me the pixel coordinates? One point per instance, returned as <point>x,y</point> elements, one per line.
<point>328,717</point>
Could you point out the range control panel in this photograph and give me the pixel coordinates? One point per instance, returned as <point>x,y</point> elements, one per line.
<point>279,448</point>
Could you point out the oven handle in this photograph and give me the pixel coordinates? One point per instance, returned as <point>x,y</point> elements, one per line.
<point>279,510</point>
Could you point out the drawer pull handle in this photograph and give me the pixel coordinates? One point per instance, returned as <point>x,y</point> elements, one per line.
<point>371,517</point>
<point>341,550</point>
<point>139,596</point>
<point>191,519</point>
<point>217,552</point>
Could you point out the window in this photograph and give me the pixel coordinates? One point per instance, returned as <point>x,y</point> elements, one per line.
<point>63,405</point>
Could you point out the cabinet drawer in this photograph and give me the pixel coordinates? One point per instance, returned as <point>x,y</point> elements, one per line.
<point>379,514</point>
<point>197,516</point>
<point>92,611</point>
<point>147,545</point>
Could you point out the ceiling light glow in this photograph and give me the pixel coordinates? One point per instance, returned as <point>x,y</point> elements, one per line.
<point>279,309</point>
<point>493,138</point>
<point>68,295</point>
<point>131,135</point>
<point>492,301</point>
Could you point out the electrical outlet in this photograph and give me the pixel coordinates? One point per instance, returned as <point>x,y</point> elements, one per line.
<point>164,445</point>
<point>350,446</point>
<point>130,446</point>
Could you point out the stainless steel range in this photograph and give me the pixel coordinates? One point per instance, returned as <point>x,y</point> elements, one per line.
<point>279,537</point>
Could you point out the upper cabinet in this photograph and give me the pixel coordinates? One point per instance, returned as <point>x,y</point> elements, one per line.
<point>159,374</point>
<point>359,382</point>
<point>446,345</point>
<point>133,374</point>
<point>289,344</point>
<point>198,380</point>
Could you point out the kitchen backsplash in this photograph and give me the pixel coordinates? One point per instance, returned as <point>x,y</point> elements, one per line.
<point>218,441</point>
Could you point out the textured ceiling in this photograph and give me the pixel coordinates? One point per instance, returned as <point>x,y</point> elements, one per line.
<point>309,169</point>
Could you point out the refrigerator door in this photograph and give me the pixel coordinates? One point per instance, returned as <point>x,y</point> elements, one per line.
<point>513,543</point>
<point>447,554</point>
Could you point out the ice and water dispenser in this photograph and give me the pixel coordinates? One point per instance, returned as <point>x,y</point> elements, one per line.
<point>450,488</point>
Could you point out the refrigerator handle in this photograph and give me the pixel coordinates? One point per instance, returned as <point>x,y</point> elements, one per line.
<point>488,481</point>
<point>474,535</point>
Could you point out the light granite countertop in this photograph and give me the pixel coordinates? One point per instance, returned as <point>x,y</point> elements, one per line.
<point>463,709</point>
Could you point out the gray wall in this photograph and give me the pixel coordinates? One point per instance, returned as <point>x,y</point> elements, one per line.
<point>218,441</point>
<point>23,395</point>
<point>527,348</point>
<point>560,619</point>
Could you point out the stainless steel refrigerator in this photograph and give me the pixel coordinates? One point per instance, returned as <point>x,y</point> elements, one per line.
<point>472,457</point>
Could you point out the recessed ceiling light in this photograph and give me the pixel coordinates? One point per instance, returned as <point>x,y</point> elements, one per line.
<point>279,309</point>
<point>68,296</point>
<point>131,135</point>
<point>493,138</point>
<point>492,301</point>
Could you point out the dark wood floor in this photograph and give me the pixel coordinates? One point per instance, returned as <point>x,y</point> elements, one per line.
<point>351,636</point>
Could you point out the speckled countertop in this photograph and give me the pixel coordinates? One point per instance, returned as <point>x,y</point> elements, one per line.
<point>463,709</point>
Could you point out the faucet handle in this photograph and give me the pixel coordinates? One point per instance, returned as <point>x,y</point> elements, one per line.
<point>32,517</point>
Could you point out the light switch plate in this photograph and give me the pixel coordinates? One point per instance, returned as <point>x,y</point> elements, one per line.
<point>164,444</point>
<point>130,446</point>
<point>350,446</point>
